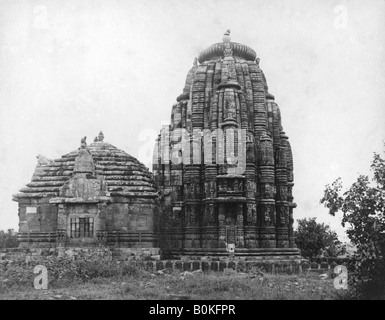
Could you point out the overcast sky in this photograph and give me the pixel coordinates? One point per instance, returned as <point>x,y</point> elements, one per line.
<point>71,68</point>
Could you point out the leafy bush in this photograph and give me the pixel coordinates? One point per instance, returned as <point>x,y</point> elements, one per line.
<point>363,208</point>
<point>8,239</point>
<point>312,237</point>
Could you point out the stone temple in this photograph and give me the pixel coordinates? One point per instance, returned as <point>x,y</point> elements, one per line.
<point>96,195</point>
<point>221,184</point>
<point>208,206</point>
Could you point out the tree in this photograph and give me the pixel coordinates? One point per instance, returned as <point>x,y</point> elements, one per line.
<point>8,239</point>
<point>312,237</point>
<point>363,206</point>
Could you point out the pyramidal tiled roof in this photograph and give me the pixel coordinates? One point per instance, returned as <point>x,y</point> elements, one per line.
<point>124,174</point>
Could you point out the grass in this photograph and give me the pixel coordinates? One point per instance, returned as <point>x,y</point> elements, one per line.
<point>176,286</point>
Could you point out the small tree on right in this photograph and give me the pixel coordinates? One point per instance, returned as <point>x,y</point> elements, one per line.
<point>363,208</point>
<point>312,238</point>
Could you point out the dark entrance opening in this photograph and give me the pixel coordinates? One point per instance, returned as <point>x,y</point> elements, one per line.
<point>82,227</point>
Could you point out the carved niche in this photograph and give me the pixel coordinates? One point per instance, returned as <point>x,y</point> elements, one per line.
<point>251,216</point>
<point>283,214</point>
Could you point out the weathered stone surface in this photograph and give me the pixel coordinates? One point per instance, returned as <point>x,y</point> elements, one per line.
<point>179,265</point>
<point>196,265</point>
<point>187,266</point>
<point>222,265</point>
<point>169,265</point>
<point>205,266</point>
<point>314,265</point>
<point>159,265</point>
<point>249,212</point>
<point>97,195</point>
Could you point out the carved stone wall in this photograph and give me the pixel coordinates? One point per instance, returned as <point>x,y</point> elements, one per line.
<point>208,201</point>
<point>97,182</point>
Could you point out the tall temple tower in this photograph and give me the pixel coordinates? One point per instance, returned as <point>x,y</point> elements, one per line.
<point>224,165</point>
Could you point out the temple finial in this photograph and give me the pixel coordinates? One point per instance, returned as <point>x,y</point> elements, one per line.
<point>226,37</point>
<point>227,52</point>
<point>101,136</point>
<point>83,143</point>
<point>195,64</point>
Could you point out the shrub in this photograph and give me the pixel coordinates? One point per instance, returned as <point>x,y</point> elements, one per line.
<point>363,208</point>
<point>312,237</point>
<point>8,239</point>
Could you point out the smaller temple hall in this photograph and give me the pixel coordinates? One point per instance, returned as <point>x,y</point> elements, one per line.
<point>96,195</point>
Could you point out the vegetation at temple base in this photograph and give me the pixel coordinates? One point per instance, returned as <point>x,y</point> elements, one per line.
<point>314,238</point>
<point>65,270</point>
<point>8,239</point>
<point>136,283</point>
<point>363,208</point>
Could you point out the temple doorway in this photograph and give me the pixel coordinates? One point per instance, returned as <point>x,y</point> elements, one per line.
<point>230,223</point>
<point>230,234</point>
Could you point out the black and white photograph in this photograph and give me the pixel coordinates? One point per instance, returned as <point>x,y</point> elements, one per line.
<point>189,155</point>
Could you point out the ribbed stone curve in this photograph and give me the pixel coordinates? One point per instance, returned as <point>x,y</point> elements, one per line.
<point>216,51</point>
<point>124,174</point>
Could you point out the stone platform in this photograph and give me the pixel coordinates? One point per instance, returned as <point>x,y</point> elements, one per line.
<point>255,253</point>
<point>151,260</point>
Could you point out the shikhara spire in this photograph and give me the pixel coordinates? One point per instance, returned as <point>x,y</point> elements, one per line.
<point>207,208</point>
